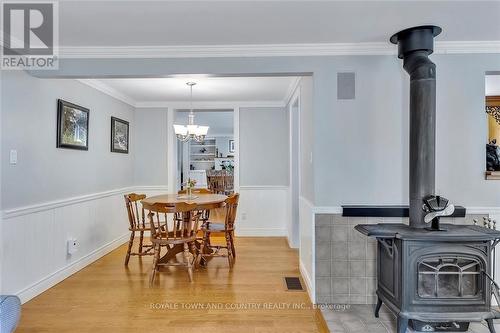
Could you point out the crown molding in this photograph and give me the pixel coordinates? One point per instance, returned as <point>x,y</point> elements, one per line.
<point>467,47</point>
<point>267,50</point>
<point>246,50</point>
<point>210,104</point>
<point>104,88</point>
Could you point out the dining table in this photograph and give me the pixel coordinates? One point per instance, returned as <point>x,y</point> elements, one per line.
<point>202,201</point>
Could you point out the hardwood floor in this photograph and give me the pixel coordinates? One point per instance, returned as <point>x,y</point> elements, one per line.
<point>108,297</point>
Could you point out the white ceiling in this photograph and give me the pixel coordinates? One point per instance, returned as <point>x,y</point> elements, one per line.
<point>492,85</point>
<point>153,23</point>
<point>148,91</point>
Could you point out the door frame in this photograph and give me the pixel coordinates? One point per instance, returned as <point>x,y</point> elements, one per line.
<point>172,142</point>
<point>294,165</point>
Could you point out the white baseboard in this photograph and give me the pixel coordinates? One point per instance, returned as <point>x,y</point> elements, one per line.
<point>290,245</point>
<point>307,280</point>
<point>39,287</point>
<point>260,232</point>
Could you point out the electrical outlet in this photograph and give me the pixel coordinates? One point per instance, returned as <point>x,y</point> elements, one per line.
<point>73,245</point>
<point>243,216</point>
<point>13,157</point>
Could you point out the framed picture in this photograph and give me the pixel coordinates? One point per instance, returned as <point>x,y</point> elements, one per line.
<point>72,126</point>
<point>231,146</point>
<point>119,135</point>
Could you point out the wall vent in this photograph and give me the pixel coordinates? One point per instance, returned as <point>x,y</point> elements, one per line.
<point>346,85</point>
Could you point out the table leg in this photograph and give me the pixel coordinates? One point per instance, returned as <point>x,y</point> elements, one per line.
<point>171,253</point>
<point>179,248</point>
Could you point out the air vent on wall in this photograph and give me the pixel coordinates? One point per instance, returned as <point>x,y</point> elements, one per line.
<point>346,85</point>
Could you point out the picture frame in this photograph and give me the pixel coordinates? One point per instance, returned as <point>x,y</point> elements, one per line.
<point>72,126</point>
<point>120,132</point>
<point>231,146</point>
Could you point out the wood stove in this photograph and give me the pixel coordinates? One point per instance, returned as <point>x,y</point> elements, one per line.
<point>434,277</point>
<point>428,274</point>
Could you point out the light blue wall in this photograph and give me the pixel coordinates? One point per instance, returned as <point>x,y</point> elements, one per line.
<point>361,146</point>
<point>43,172</point>
<point>264,147</point>
<point>150,145</point>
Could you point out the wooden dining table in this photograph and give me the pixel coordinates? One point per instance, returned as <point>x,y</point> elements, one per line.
<point>202,201</point>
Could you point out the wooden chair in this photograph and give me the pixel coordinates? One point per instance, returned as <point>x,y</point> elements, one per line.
<point>137,223</point>
<point>227,228</point>
<point>165,236</point>
<point>228,183</point>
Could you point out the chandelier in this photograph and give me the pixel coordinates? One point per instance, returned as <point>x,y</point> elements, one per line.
<point>494,111</point>
<point>190,131</point>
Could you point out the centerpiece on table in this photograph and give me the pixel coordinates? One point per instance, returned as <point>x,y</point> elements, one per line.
<point>190,184</point>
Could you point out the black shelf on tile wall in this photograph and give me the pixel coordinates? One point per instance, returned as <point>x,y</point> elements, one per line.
<point>387,211</point>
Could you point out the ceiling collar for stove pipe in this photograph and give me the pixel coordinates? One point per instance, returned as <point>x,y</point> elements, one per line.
<point>414,47</point>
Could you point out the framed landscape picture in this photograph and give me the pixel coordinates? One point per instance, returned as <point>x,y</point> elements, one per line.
<point>119,135</point>
<point>72,126</point>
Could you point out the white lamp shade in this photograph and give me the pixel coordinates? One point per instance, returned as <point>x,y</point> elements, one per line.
<point>180,130</point>
<point>202,130</point>
<point>191,129</point>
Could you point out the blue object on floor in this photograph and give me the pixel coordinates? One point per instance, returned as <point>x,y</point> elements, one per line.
<point>10,312</point>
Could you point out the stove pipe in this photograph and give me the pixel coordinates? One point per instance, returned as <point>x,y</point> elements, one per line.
<point>414,47</point>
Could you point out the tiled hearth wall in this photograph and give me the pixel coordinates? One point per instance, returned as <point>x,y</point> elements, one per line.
<point>346,259</point>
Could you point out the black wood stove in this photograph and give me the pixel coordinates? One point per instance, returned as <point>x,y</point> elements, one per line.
<point>434,276</point>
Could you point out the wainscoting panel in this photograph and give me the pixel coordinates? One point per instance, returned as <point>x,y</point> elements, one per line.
<point>34,239</point>
<point>262,211</point>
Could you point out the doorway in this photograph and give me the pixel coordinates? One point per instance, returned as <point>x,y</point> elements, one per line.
<point>215,154</point>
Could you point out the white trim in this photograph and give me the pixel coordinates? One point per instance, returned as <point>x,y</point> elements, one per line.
<point>171,151</point>
<point>263,187</point>
<point>307,280</point>
<point>260,232</point>
<point>292,91</point>
<point>25,210</point>
<point>208,104</point>
<point>292,98</point>
<point>457,47</point>
<point>267,50</point>
<point>49,281</point>
<point>236,138</point>
<point>10,213</point>
<point>110,91</point>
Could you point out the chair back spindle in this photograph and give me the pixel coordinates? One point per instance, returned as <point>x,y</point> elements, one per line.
<point>135,211</point>
<point>176,232</point>
<point>231,209</point>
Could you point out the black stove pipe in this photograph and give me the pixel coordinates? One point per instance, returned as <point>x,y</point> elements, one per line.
<point>414,46</point>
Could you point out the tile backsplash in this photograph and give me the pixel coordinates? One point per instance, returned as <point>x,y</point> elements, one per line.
<point>346,259</point>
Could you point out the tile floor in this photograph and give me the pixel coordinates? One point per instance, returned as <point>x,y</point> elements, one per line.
<point>360,319</point>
